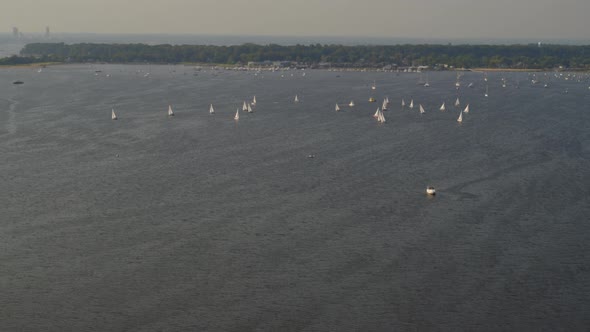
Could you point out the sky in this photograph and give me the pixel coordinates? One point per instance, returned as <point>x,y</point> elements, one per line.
<point>536,19</point>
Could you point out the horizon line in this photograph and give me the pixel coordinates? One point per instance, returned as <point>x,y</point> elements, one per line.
<point>416,40</point>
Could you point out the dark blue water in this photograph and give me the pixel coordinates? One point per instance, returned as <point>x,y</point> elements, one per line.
<point>202,223</point>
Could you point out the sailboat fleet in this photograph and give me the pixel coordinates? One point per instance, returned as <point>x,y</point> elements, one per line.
<point>378,115</point>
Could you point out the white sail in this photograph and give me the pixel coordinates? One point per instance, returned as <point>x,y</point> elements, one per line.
<point>170,113</point>
<point>412,103</point>
<point>460,119</point>
<point>442,107</point>
<point>254,101</point>
<point>237,116</point>
<point>376,115</point>
<point>211,110</point>
<point>486,91</point>
<point>384,105</point>
<point>466,110</point>
<point>403,102</point>
<point>457,103</point>
<point>351,104</point>
<point>250,110</point>
<point>337,108</point>
<point>421,109</point>
<point>113,115</point>
<point>381,117</point>
<point>244,106</point>
<point>296,99</point>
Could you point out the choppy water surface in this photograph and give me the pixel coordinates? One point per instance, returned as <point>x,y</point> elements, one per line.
<point>202,223</point>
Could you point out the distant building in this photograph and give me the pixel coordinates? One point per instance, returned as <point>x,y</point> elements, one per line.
<point>15,33</point>
<point>47,33</point>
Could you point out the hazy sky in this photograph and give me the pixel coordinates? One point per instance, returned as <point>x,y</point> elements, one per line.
<point>539,19</point>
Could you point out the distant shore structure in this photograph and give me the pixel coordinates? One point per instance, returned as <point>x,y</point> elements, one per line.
<point>47,32</point>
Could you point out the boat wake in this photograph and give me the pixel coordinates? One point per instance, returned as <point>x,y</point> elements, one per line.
<point>10,121</point>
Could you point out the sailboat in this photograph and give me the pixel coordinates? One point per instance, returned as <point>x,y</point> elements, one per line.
<point>250,110</point>
<point>351,104</point>
<point>442,107</point>
<point>244,107</point>
<point>381,117</point>
<point>412,103</point>
<point>457,103</point>
<point>296,99</point>
<point>374,86</point>
<point>170,113</point>
<point>460,119</point>
<point>403,102</point>
<point>113,115</point>
<point>466,110</point>
<point>237,116</point>
<point>422,111</point>
<point>211,110</point>
<point>486,91</point>
<point>384,105</point>
<point>337,108</point>
<point>254,101</point>
<point>376,115</point>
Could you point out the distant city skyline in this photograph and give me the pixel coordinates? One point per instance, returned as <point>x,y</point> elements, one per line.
<point>456,19</point>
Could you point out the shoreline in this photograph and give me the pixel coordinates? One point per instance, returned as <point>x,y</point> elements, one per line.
<point>480,70</point>
<point>31,65</point>
<point>237,67</point>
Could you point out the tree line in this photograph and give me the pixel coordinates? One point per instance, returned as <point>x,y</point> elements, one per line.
<point>530,56</point>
